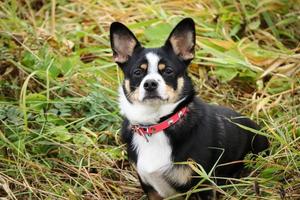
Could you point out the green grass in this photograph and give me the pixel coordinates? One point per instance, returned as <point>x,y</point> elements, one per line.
<point>59,117</point>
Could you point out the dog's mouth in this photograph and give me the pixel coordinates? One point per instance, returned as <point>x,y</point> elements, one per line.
<point>153,97</point>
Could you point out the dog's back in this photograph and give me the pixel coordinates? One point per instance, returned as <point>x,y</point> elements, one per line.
<point>211,133</point>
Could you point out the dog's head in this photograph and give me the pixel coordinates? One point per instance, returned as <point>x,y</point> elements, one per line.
<point>154,76</point>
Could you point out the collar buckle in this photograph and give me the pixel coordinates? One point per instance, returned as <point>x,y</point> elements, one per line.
<point>142,131</point>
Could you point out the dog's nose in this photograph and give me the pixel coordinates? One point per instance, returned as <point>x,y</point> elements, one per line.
<point>150,85</point>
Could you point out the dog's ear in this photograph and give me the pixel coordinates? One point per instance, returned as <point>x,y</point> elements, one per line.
<point>123,42</point>
<point>182,39</point>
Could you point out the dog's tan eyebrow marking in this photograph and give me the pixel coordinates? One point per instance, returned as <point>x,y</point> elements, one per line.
<point>161,66</point>
<point>144,66</point>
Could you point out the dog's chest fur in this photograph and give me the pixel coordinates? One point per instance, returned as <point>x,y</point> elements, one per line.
<point>155,165</point>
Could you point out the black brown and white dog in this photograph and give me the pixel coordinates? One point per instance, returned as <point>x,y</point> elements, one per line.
<point>165,123</point>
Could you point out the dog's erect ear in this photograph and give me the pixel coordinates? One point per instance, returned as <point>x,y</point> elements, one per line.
<point>182,39</point>
<point>123,42</point>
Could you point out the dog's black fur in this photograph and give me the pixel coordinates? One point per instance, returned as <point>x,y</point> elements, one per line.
<point>207,133</point>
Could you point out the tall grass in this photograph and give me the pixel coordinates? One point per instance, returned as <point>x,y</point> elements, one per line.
<point>59,120</point>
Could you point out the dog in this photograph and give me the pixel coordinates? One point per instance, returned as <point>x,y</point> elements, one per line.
<point>165,123</point>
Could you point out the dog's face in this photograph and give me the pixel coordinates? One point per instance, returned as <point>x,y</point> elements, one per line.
<point>154,75</point>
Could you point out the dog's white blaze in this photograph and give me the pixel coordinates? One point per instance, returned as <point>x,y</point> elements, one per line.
<point>153,60</point>
<point>154,160</point>
<point>152,74</point>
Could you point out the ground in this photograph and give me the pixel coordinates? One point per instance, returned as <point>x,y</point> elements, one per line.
<point>59,119</point>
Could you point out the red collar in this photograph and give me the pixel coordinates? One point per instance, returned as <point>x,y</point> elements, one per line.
<point>152,129</point>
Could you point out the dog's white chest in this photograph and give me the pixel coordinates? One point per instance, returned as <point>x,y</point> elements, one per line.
<point>153,161</point>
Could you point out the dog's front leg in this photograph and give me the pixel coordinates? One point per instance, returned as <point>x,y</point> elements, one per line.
<point>150,191</point>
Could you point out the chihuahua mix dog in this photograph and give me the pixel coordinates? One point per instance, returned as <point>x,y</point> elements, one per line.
<point>165,123</point>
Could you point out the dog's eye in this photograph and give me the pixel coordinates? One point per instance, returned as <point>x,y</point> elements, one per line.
<point>168,71</point>
<point>137,72</point>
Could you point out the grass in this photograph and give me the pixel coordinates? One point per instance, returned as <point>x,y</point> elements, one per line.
<point>59,120</point>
